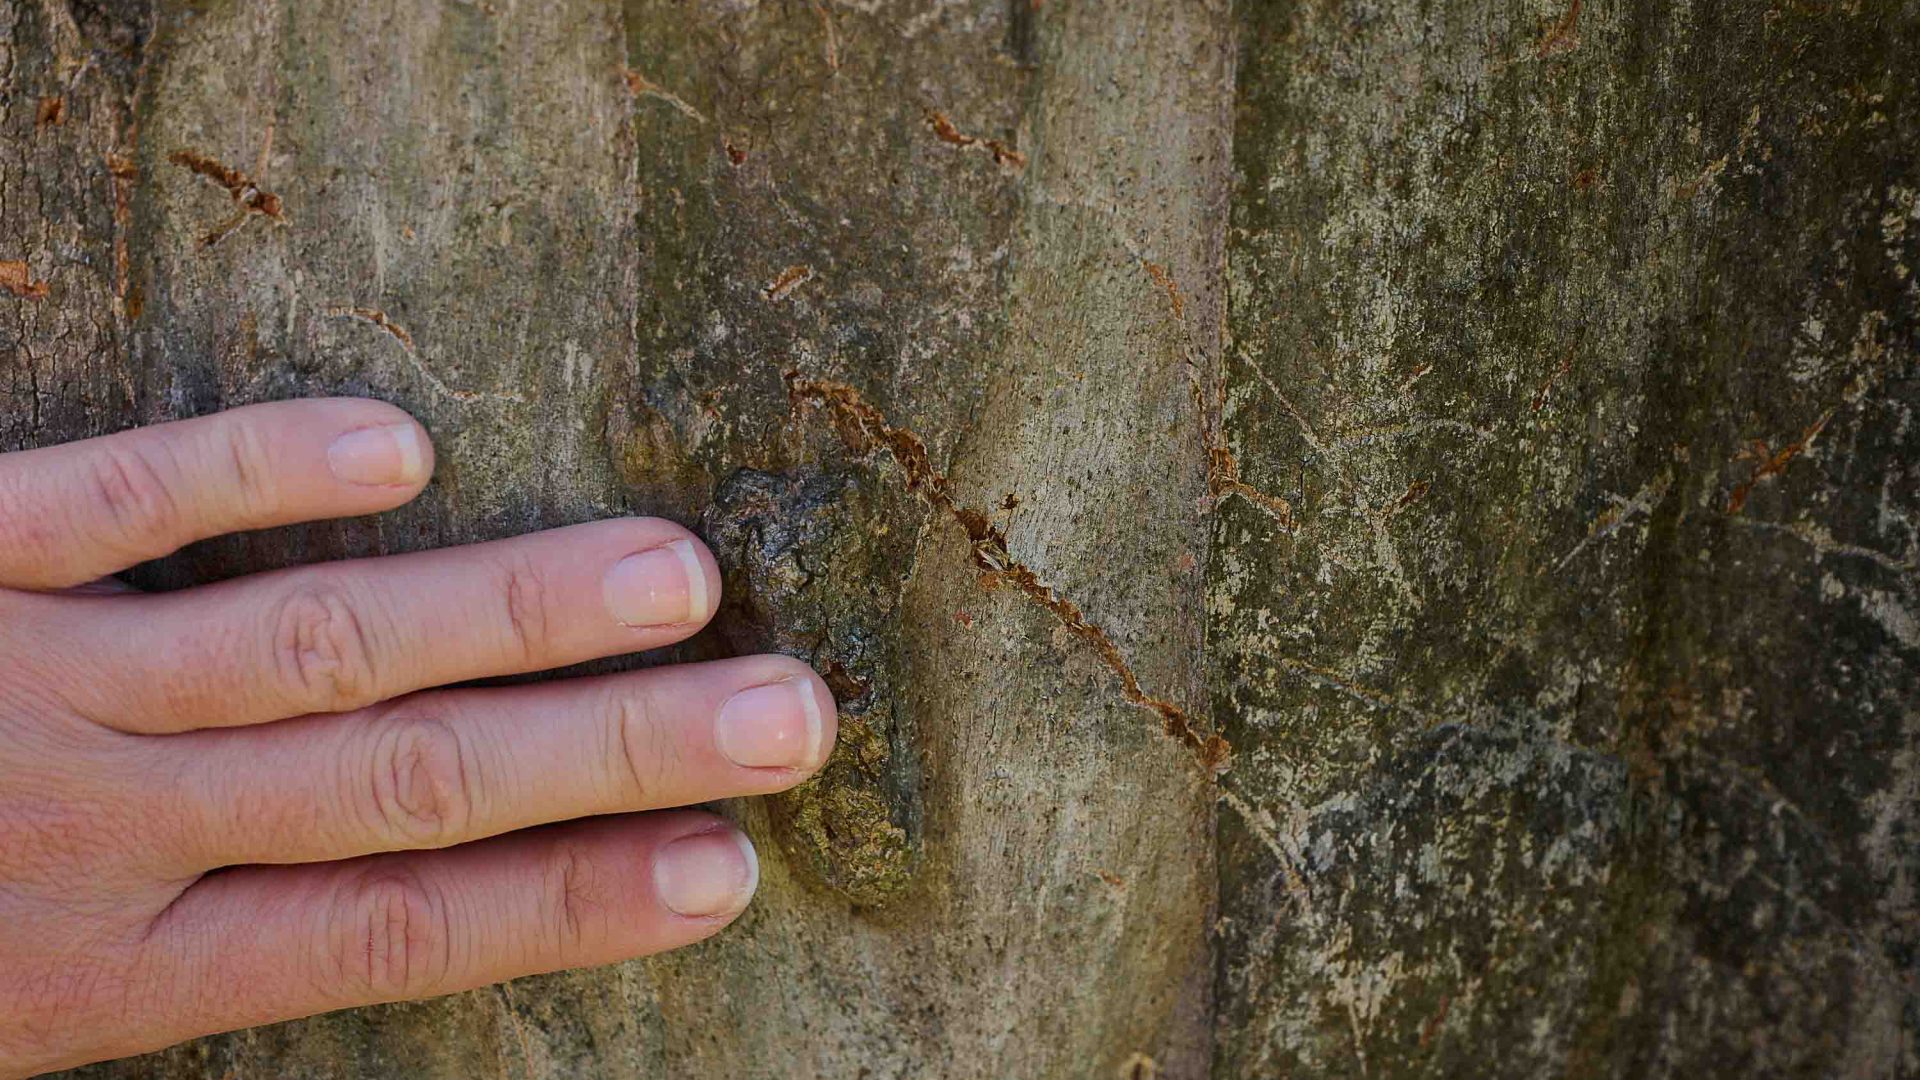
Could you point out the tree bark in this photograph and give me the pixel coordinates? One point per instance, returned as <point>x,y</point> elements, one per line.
<point>1491,420</point>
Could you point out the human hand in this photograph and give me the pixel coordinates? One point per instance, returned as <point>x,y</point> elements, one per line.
<point>240,803</point>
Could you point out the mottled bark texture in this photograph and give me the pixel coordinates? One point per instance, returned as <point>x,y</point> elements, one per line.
<point>1494,417</point>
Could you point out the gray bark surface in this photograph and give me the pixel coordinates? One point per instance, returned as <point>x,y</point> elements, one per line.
<point>1492,419</point>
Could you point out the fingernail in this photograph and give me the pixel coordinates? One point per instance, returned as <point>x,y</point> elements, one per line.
<point>772,726</point>
<point>707,874</point>
<point>391,454</point>
<point>661,587</point>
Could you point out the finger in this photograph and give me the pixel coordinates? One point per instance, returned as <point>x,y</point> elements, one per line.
<point>444,768</point>
<point>70,514</point>
<point>345,635</point>
<point>260,944</point>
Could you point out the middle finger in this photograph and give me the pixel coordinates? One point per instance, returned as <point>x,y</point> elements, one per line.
<point>345,635</point>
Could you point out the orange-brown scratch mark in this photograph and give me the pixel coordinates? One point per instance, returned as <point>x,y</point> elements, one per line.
<point>18,280</point>
<point>1111,878</point>
<point>378,318</point>
<point>1585,178</point>
<point>1414,493</point>
<point>943,128</point>
<point>124,173</point>
<point>833,36</point>
<point>1770,463</point>
<point>1223,479</point>
<point>1565,35</point>
<point>963,619</point>
<point>863,428</point>
<point>247,194</point>
<point>240,187</point>
<point>641,86</point>
<point>790,279</point>
<point>1161,278</point>
<point>1223,469</point>
<point>52,111</point>
<point>1418,374</point>
<point>1541,395</point>
<point>736,156</point>
<point>1432,1027</point>
<point>1707,175</point>
<point>1003,155</point>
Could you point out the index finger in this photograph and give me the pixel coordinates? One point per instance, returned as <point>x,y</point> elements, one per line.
<point>74,513</point>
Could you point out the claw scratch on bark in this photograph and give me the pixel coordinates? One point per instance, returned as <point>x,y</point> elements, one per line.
<point>1261,825</point>
<point>641,86</point>
<point>863,428</point>
<point>377,318</point>
<point>833,36</point>
<point>1003,155</point>
<point>248,196</point>
<point>1771,463</point>
<point>1621,511</point>
<point>790,279</point>
<point>1565,35</point>
<point>1223,469</point>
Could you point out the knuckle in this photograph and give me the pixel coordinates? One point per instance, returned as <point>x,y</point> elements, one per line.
<point>131,496</point>
<point>639,750</point>
<point>389,939</point>
<point>575,901</point>
<point>322,652</point>
<point>249,467</point>
<point>418,788</point>
<point>524,588</point>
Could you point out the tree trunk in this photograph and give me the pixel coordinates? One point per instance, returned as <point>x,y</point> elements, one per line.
<point>1492,420</point>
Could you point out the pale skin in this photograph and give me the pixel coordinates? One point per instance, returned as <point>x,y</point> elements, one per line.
<point>247,802</point>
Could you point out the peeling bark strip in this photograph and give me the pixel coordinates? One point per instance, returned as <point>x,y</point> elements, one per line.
<point>862,427</point>
<point>18,280</point>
